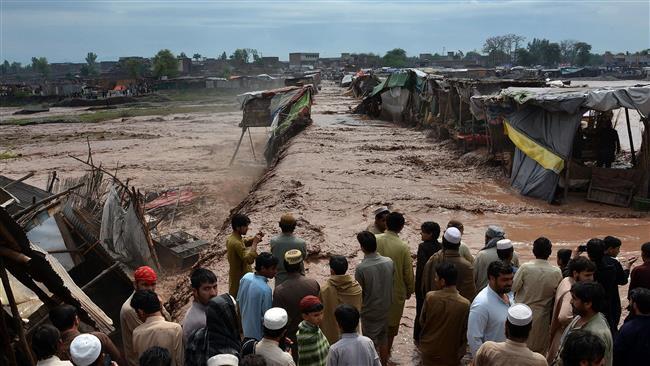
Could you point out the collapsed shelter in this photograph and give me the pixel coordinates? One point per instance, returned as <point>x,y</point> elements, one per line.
<point>286,111</point>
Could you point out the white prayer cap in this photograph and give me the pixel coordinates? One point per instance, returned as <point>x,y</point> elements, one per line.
<point>85,349</point>
<point>223,360</point>
<point>520,315</point>
<point>381,210</point>
<point>504,244</point>
<point>275,318</point>
<point>452,235</point>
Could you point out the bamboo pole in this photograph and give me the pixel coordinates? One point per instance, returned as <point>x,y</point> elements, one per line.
<point>29,175</point>
<point>15,313</point>
<point>629,134</point>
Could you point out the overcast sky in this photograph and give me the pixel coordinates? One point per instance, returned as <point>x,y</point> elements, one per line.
<point>65,30</point>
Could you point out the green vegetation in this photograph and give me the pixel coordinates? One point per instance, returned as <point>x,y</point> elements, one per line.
<point>7,155</point>
<point>165,64</point>
<point>110,114</point>
<point>395,58</point>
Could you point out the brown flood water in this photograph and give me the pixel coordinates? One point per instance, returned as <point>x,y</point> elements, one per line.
<point>338,170</point>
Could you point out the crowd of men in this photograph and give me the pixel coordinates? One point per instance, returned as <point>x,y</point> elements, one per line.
<point>489,308</point>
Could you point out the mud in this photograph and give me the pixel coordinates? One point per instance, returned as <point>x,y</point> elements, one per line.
<point>338,170</point>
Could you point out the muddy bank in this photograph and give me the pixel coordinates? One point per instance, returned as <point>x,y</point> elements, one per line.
<point>338,170</point>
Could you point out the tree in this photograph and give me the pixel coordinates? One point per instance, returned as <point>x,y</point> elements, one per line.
<point>524,57</point>
<point>182,55</point>
<point>134,67</point>
<point>15,67</point>
<point>240,56</point>
<point>197,56</point>
<point>544,52</point>
<point>41,66</point>
<point>395,58</point>
<point>499,46</point>
<point>582,53</point>
<point>223,56</point>
<point>254,54</point>
<point>5,67</point>
<point>472,56</point>
<point>90,68</point>
<point>165,64</point>
<point>568,50</point>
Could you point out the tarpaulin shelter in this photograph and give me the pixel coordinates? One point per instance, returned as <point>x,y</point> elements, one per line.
<point>542,124</point>
<point>363,84</point>
<point>396,98</point>
<point>286,111</point>
<point>446,105</point>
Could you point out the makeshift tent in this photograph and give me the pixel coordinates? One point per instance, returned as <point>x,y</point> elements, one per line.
<point>286,111</point>
<point>542,124</point>
<point>396,98</point>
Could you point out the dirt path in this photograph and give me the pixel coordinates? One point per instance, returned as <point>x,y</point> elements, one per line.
<point>336,172</point>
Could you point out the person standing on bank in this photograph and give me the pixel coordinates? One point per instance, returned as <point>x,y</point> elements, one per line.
<point>489,309</point>
<point>390,245</point>
<point>450,253</point>
<point>204,287</point>
<point>534,284</point>
<point>379,226</point>
<point>144,278</point>
<point>373,274</point>
<point>240,258</point>
<point>429,231</point>
<point>514,350</point>
<point>285,242</point>
<point>340,288</point>
<point>288,295</point>
<point>443,321</point>
<point>255,296</point>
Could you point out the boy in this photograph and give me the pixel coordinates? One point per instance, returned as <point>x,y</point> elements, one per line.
<point>352,349</point>
<point>430,231</point>
<point>312,344</point>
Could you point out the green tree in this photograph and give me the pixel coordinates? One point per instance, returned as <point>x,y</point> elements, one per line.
<point>568,50</point>
<point>524,57</point>
<point>182,55</point>
<point>545,52</point>
<point>582,53</point>
<point>135,68</point>
<point>5,67</point>
<point>165,64</point>
<point>15,67</point>
<point>240,56</point>
<point>254,55</point>
<point>91,62</point>
<point>41,66</point>
<point>395,58</point>
<point>223,56</point>
<point>197,56</point>
<point>471,56</point>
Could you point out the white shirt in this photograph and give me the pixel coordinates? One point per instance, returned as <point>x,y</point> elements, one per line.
<point>273,355</point>
<point>487,319</point>
<point>53,361</point>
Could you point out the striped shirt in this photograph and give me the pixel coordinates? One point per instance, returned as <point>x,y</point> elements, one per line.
<point>312,345</point>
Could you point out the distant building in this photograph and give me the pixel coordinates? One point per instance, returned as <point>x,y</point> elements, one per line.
<point>626,60</point>
<point>299,60</point>
<point>184,65</point>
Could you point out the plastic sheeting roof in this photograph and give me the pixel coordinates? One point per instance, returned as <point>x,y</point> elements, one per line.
<point>570,100</point>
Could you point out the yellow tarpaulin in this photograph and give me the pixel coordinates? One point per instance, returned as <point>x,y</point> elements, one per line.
<point>535,151</point>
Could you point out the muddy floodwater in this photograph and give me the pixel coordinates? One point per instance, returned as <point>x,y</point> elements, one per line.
<point>334,174</point>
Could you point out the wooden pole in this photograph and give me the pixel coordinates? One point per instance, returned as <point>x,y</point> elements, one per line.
<point>251,140</point>
<point>567,178</point>
<point>629,134</point>
<point>243,131</point>
<point>15,313</point>
<point>29,175</point>
<point>44,200</point>
<point>101,275</point>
